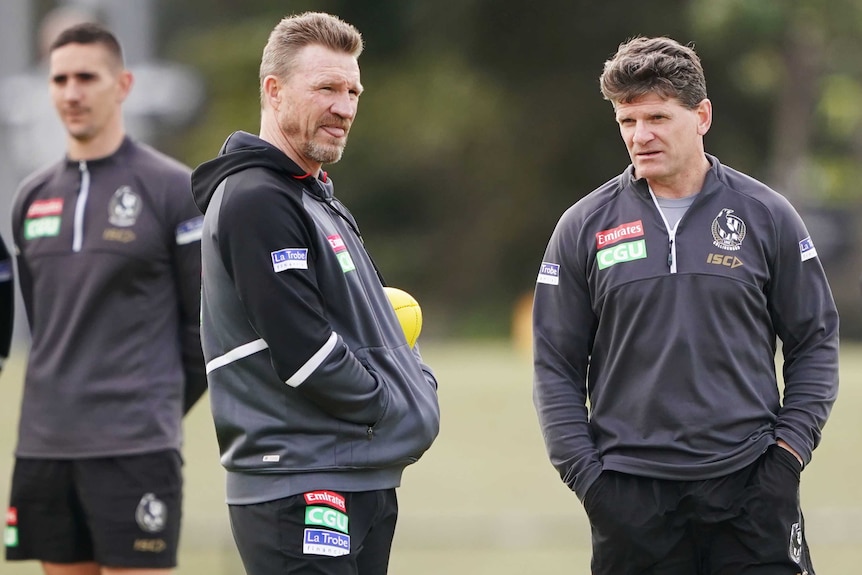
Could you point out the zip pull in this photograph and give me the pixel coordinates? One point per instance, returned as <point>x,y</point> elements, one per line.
<point>369,433</point>
<point>670,253</point>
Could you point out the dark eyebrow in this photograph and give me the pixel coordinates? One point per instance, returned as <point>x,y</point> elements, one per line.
<point>79,75</point>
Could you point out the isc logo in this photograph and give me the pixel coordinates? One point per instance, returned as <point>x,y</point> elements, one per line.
<point>723,260</point>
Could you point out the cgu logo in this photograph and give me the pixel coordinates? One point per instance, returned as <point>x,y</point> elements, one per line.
<point>326,517</point>
<point>621,253</point>
<point>723,260</point>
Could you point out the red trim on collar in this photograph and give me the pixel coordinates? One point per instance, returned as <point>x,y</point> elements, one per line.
<point>323,176</point>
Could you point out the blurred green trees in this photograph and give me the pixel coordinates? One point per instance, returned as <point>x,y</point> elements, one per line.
<point>482,122</point>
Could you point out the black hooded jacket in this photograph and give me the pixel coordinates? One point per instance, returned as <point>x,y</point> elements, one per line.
<point>312,383</point>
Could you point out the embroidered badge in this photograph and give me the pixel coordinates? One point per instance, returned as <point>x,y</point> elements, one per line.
<point>325,542</point>
<point>341,253</point>
<point>549,274</point>
<point>795,549</point>
<point>190,231</point>
<point>47,227</point>
<point>124,207</point>
<point>151,514</point>
<point>327,498</point>
<point>5,271</point>
<point>290,259</point>
<point>620,253</point>
<point>622,232</point>
<point>326,517</point>
<point>807,249</point>
<point>10,536</point>
<point>49,207</point>
<point>728,230</point>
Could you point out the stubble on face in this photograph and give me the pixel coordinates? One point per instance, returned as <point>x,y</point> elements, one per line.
<point>324,152</point>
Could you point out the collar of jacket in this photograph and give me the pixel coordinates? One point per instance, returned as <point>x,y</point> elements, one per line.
<point>711,182</point>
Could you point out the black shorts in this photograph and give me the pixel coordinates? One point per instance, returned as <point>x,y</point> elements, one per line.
<point>117,511</point>
<point>321,532</point>
<point>748,522</point>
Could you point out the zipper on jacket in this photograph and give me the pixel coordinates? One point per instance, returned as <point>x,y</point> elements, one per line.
<point>671,235</point>
<point>369,433</point>
<point>671,250</point>
<point>80,207</point>
<point>670,253</point>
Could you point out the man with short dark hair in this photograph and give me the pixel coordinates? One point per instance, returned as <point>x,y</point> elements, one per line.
<point>656,313</point>
<point>108,244</point>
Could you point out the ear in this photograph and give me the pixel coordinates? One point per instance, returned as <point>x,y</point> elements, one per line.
<point>704,116</point>
<point>271,89</point>
<point>125,81</point>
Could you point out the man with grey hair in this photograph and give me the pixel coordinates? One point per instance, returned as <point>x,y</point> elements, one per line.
<point>319,402</point>
<point>656,313</point>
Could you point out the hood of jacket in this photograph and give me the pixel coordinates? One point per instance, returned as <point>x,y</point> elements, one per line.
<point>241,151</point>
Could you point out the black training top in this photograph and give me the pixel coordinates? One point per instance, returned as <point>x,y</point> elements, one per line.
<point>109,262</point>
<point>669,334</point>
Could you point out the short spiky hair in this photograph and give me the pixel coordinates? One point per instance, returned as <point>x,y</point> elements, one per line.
<point>654,66</point>
<point>298,31</point>
<point>89,33</point>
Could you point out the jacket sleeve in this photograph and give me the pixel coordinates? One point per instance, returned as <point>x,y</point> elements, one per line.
<point>806,320</point>
<point>186,261</point>
<point>7,302</point>
<point>284,304</point>
<point>564,326</point>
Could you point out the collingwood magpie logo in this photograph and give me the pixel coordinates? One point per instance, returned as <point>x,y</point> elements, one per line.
<point>151,514</point>
<point>795,549</point>
<point>124,207</point>
<point>728,230</point>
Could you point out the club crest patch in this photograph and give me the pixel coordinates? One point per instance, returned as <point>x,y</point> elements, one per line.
<point>151,514</point>
<point>290,259</point>
<point>795,549</point>
<point>124,207</point>
<point>807,249</point>
<point>728,230</point>
<point>549,274</point>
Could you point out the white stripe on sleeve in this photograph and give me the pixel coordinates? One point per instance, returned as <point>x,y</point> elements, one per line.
<point>236,354</point>
<point>313,363</point>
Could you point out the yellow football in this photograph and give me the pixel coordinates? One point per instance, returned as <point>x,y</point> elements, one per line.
<point>408,312</point>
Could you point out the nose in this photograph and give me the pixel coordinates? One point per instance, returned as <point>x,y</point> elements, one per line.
<point>71,91</point>
<point>642,134</point>
<point>345,106</point>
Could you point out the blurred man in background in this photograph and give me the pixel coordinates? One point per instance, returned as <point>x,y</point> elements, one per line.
<point>319,403</point>
<point>108,247</point>
<point>658,305</point>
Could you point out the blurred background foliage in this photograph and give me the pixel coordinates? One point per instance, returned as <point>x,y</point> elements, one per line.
<point>482,122</point>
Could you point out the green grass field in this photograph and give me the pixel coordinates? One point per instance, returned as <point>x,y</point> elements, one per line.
<point>484,499</point>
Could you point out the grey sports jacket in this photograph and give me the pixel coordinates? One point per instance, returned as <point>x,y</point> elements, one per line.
<point>669,335</point>
<point>312,383</point>
<point>109,265</point>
